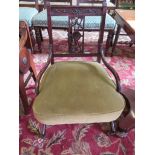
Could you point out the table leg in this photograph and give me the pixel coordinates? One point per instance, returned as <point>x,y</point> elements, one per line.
<point>116,39</point>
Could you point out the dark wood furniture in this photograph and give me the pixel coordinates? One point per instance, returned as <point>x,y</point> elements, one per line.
<point>25,64</point>
<point>111,5</point>
<point>125,19</point>
<point>110,29</point>
<point>29,5</point>
<point>76,41</point>
<point>38,29</point>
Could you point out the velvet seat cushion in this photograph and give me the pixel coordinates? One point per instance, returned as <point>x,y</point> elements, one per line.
<point>77,92</point>
<point>26,14</point>
<point>91,22</point>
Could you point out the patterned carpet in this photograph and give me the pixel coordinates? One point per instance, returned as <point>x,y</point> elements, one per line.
<point>78,139</point>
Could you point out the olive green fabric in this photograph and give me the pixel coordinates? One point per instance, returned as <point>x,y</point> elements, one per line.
<point>77,92</point>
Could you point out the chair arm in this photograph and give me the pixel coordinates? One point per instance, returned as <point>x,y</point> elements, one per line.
<point>40,74</point>
<point>112,70</point>
<point>118,86</point>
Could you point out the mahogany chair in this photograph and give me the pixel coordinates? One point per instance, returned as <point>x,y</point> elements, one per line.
<point>71,92</point>
<point>40,21</point>
<point>25,64</point>
<point>27,9</point>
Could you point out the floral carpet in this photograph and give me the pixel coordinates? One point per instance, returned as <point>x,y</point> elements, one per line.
<point>78,139</point>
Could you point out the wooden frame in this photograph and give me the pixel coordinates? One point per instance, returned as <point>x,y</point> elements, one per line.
<point>76,31</point>
<point>122,18</point>
<point>109,41</point>
<point>25,64</point>
<point>36,5</point>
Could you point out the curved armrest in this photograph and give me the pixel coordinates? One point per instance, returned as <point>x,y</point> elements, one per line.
<point>115,74</point>
<point>118,86</point>
<point>39,76</point>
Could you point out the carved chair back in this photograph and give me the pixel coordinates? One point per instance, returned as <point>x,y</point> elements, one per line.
<point>76,23</point>
<point>25,56</point>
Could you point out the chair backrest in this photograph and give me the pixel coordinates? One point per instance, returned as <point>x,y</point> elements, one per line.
<point>76,23</point>
<point>29,3</point>
<point>25,58</point>
<point>28,41</point>
<point>24,62</point>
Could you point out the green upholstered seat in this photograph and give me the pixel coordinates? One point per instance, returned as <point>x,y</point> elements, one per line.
<point>62,21</point>
<point>77,92</point>
<point>26,14</point>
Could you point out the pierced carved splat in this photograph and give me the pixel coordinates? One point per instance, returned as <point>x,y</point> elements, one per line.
<point>76,34</point>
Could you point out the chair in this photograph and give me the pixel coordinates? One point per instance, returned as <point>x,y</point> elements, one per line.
<point>39,22</point>
<point>93,23</point>
<point>27,9</point>
<point>25,64</point>
<point>71,92</point>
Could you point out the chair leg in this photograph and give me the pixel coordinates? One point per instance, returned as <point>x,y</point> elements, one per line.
<point>116,131</point>
<point>131,43</point>
<point>113,127</point>
<point>41,36</point>
<point>30,43</point>
<point>99,59</point>
<point>112,38</point>
<point>116,39</point>
<point>109,41</point>
<point>38,37</point>
<point>32,39</point>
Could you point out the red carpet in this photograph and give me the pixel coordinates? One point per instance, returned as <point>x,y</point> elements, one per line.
<point>79,139</point>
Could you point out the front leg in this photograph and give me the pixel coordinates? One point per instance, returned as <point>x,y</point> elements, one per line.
<point>38,37</point>
<point>116,130</point>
